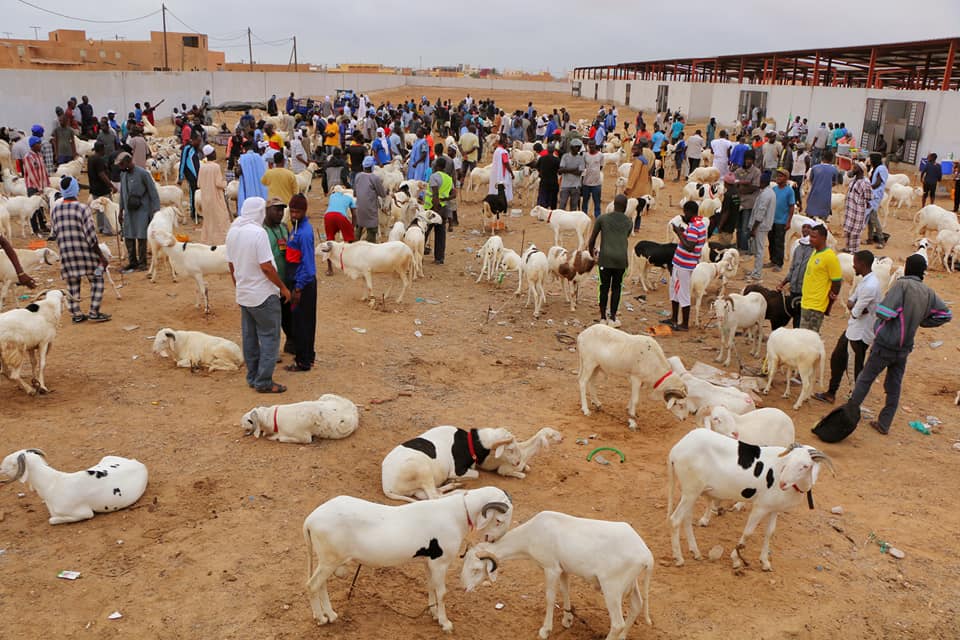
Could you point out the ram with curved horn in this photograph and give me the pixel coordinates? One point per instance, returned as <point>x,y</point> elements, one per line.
<point>112,484</point>
<point>773,479</point>
<point>348,529</point>
<point>423,467</point>
<point>618,353</point>
<point>611,554</point>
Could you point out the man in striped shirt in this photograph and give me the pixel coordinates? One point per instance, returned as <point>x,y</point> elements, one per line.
<point>690,243</point>
<point>35,178</point>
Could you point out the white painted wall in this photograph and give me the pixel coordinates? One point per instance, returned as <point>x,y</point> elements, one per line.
<point>32,95</point>
<point>941,126</point>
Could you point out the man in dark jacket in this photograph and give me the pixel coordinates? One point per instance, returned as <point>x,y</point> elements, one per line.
<point>908,305</point>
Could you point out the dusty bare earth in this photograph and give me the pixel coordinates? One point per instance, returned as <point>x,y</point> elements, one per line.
<point>214,549</point>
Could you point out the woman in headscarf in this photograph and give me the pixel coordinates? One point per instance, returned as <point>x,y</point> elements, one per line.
<point>381,148</point>
<point>216,217</point>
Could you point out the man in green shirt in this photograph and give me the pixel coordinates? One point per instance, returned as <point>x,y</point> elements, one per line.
<point>615,228</point>
<point>439,193</point>
<point>278,234</point>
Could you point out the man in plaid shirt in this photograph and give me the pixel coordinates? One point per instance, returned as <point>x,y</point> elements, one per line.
<point>35,177</point>
<point>858,200</point>
<point>80,253</point>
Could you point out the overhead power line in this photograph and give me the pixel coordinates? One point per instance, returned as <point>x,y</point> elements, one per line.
<point>62,15</point>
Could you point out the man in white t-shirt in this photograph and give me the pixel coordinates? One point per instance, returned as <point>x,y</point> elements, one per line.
<point>259,290</point>
<point>721,152</point>
<point>695,145</point>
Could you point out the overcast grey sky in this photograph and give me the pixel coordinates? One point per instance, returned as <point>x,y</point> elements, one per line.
<point>508,33</point>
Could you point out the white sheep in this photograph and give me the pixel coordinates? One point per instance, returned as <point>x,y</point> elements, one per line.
<point>536,267</point>
<point>561,220</point>
<point>772,479</point>
<point>735,312</point>
<point>696,191</point>
<point>195,350</point>
<point>768,426</point>
<point>704,174</point>
<point>13,185</point>
<point>363,259</point>
<point>331,417</point>
<point>73,168</point>
<point>705,274</point>
<point>170,195</point>
<point>165,220</point>
<point>29,332</point>
<point>897,179</point>
<point>947,245</point>
<point>348,529</point>
<point>616,352</point>
<point>419,469</point>
<point>23,207</point>
<point>528,448</point>
<point>934,218</point>
<point>195,260</point>
<point>112,484</point>
<point>490,254</point>
<point>610,554</point>
<point>904,195</point>
<point>799,350</point>
<point>416,234</point>
<point>703,395</point>
<point>29,259</point>
<point>305,178</point>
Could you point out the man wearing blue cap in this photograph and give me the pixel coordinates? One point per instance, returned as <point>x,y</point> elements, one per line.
<point>368,189</point>
<point>80,253</point>
<point>35,177</point>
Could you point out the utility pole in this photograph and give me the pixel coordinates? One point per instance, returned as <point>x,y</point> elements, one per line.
<point>295,66</point>
<point>166,65</point>
<point>36,33</point>
<point>250,48</point>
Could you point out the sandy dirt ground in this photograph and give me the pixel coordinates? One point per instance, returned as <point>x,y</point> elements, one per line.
<point>214,548</point>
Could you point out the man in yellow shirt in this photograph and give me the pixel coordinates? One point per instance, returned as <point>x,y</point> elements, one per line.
<point>280,182</point>
<point>272,137</point>
<point>331,135</point>
<point>821,281</point>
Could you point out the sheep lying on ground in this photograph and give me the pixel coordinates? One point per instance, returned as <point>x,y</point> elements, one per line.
<point>703,395</point>
<point>113,483</point>
<point>330,417</point>
<point>503,465</point>
<point>195,350</point>
<point>420,468</point>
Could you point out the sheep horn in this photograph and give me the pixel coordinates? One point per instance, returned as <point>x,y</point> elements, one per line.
<point>502,507</point>
<point>39,452</point>
<point>674,393</point>
<point>820,456</point>
<point>486,555</point>
<point>21,467</point>
<point>790,447</point>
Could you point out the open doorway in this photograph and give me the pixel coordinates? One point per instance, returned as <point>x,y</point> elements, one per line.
<point>575,89</point>
<point>893,127</point>
<point>662,91</point>
<point>596,89</point>
<point>626,99</point>
<point>750,101</point>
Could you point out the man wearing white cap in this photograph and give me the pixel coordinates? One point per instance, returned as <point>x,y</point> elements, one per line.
<point>259,290</point>
<point>216,218</point>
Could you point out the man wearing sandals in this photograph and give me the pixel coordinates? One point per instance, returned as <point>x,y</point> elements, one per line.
<point>80,255</point>
<point>259,290</point>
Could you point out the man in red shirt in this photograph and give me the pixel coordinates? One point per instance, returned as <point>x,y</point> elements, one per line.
<point>36,179</point>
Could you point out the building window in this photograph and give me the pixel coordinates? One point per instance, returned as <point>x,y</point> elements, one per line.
<point>103,54</point>
<point>116,55</point>
<point>21,50</point>
<point>83,54</point>
<point>191,41</point>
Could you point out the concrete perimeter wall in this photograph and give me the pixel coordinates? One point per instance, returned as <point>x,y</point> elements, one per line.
<point>31,96</point>
<point>941,126</point>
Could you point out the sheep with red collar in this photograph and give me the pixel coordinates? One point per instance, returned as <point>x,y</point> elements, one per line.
<point>331,417</point>
<point>561,220</point>
<point>416,469</point>
<point>640,358</point>
<point>773,479</point>
<point>348,529</point>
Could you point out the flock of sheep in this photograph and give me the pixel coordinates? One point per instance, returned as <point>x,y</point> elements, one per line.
<point>744,454</point>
